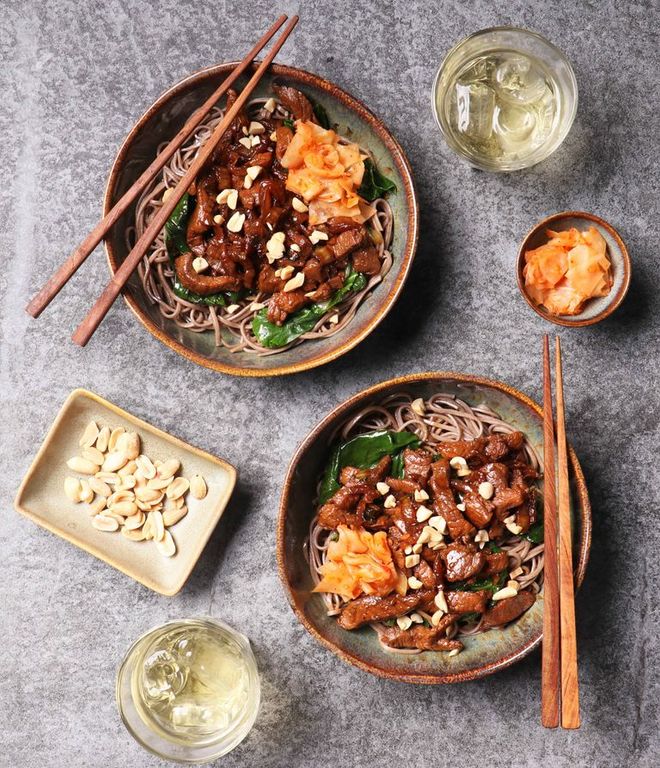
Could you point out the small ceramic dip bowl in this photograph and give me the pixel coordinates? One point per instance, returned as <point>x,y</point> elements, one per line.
<point>596,309</point>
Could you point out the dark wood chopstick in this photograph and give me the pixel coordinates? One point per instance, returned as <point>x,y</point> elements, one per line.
<point>550,659</point>
<point>570,700</point>
<point>59,278</point>
<point>86,329</point>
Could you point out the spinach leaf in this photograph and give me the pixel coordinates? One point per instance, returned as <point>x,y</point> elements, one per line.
<point>274,336</point>
<point>468,618</point>
<point>374,184</point>
<point>321,115</point>
<point>396,469</point>
<point>364,452</point>
<point>175,227</point>
<point>492,584</point>
<point>214,300</point>
<point>288,123</point>
<point>535,533</point>
<point>176,244</point>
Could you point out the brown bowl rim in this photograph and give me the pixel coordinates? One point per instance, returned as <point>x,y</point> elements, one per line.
<point>404,262</point>
<point>615,300</point>
<point>370,392</point>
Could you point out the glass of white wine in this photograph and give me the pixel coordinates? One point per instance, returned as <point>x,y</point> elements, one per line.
<point>189,690</point>
<point>505,98</point>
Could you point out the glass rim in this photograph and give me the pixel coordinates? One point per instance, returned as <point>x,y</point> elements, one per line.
<point>548,149</point>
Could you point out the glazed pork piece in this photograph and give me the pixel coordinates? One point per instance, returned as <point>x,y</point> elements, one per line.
<point>467,602</point>
<point>235,217</point>
<point>444,502</point>
<point>364,610</point>
<point>355,498</point>
<point>437,522</point>
<point>421,637</point>
<point>417,465</point>
<point>507,610</point>
<point>462,561</point>
<point>484,449</point>
<point>295,101</point>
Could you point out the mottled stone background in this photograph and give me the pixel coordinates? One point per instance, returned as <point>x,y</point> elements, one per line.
<point>74,76</point>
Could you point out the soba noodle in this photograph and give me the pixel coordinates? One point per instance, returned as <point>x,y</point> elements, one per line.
<point>233,330</point>
<point>446,419</point>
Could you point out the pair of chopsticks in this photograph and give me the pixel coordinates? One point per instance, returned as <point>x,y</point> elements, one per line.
<point>57,281</point>
<point>559,678</point>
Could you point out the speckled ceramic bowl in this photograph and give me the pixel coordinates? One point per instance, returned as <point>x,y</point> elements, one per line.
<point>483,654</point>
<point>354,120</point>
<point>596,309</point>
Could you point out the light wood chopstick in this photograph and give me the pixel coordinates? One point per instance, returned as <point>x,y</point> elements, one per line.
<point>86,329</point>
<point>59,278</point>
<point>570,701</point>
<point>550,659</point>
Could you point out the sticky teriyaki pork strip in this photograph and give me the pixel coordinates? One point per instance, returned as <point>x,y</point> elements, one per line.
<point>444,559</point>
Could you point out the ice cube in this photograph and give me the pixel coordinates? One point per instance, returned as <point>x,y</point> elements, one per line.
<point>475,104</point>
<point>182,645</point>
<point>513,126</point>
<point>190,714</point>
<point>217,673</point>
<point>546,109</point>
<point>480,70</point>
<point>519,81</point>
<point>162,676</point>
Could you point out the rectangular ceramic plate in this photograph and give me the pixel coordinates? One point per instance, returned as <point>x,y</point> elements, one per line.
<point>41,495</point>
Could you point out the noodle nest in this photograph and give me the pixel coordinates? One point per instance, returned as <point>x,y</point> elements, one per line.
<point>446,419</point>
<point>233,329</point>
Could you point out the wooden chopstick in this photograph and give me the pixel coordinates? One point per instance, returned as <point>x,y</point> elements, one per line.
<point>59,278</point>
<point>570,701</point>
<point>86,329</point>
<point>550,659</point>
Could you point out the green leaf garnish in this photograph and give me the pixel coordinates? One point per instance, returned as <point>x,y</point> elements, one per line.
<point>468,618</point>
<point>175,227</point>
<point>491,584</point>
<point>396,469</point>
<point>374,183</point>
<point>535,533</point>
<point>321,115</point>
<point>363,452</point>
<point>274,336</point>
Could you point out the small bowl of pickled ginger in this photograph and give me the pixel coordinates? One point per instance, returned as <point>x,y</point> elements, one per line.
<point>573,269</point>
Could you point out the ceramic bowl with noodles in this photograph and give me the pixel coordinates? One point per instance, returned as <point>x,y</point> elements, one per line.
<point>410,533</point>
<point>292,243</point>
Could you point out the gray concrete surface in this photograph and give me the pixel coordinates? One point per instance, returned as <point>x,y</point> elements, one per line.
<point>74,77</point>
